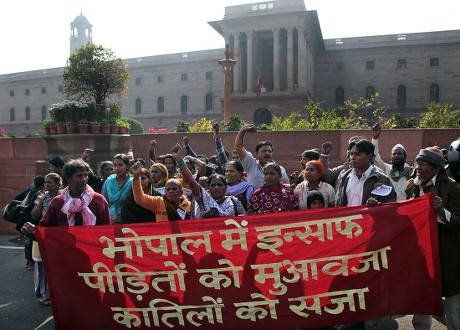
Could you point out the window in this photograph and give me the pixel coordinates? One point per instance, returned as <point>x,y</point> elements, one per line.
<point>370,92</point>
<point>11,93</point>
<point>27,113</point>
<point>138,106</point>
<point>401,97</point>
<point>12,115</point>
<point>60,88</point>
<point>434,61</point>
<point>160,79</point>
<point>43,112</point>
<point>339,66</point>
<point>434,93</point>
<point>27,91</point>
<point>208,75</point>
<point>208,105</point>
<point>339,96</point>
<point>369,65</point>
<point>402,64</point>
<point>43,90</point>
<point>161,104</point>
<point>183,77</point>
<point>138,81</point>
<point>183,104</point>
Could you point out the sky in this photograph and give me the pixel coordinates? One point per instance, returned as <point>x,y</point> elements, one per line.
<point>35,34</point>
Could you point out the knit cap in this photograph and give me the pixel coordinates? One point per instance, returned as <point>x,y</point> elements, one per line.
<point>313,195</point>
<point>432,155</point>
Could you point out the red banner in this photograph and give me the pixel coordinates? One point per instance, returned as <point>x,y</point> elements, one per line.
<point>287,270</point>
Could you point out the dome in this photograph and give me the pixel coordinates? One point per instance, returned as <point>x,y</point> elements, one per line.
<point>80,19</point>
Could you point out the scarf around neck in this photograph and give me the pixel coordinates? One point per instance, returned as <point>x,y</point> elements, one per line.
<point>405,172</point>
<point>73,205</point>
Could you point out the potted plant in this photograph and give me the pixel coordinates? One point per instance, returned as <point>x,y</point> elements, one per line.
<point>69,127</point>
<point>105,126</point>
<point>83,126</point>
<point>94,127</point>
<point>124,126</point>
<point>60,127</point>
<point>47,124</point>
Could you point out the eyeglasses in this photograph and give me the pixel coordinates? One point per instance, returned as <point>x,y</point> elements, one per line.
<point>421,164</point>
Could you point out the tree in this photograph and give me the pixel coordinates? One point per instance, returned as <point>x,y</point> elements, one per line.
<point>440,116</point>
<point>94,74</point>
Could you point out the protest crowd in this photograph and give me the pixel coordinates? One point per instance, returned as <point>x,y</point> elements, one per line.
<point>183,185</point>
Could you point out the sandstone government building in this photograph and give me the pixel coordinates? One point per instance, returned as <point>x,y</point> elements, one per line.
<point>280,42</point>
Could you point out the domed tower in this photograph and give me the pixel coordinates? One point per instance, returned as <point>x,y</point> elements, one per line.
<point>80,33</point>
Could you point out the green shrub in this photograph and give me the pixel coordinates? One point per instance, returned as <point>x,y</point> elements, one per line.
<point>440,116</point>
<point>182,126</point>
<point>136,126</point>
<point>234,124</point>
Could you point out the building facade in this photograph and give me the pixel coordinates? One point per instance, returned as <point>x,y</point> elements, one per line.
<point>280,52</point>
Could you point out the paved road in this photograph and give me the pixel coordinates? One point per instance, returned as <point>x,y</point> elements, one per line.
<point>20,310</point>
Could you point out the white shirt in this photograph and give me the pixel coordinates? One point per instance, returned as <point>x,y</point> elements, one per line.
<point>355,187</point>
<point>255,171</point>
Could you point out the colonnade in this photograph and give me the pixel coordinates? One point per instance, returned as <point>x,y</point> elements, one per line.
<point>283,57</point>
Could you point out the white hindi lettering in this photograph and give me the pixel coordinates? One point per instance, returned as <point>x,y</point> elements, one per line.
<point>156,243</point>
<point>273,237</point>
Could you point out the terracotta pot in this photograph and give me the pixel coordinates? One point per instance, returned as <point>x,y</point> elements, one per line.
<point>114,129</point>
<point>70,129</point>
<point>83,128</point>
<point>52,130</point>
<point>124,130</point>
<point>94,128</point>
<point>105,129</point>
<point>60,129</point>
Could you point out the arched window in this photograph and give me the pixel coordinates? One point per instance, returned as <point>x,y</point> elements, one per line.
<point>27,113</point>
<point>434,93</point>
<point>138,106</point>
<point>12,115</point>
<point>183,104</point>
<point>401,97</point>
<point>339,96</point>
<point>161,104</point>
<point>370,91</point>
<point>208,105</point>
<point>43,112</point>
<point>262,116</point>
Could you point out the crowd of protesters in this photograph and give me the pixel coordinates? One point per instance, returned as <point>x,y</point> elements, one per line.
<point>183,185</point>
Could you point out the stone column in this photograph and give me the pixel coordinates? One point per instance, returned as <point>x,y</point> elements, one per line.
<point>290,60</point>
<point>302,53</point>
<point>276,60</point>
<point>236,56</point>
<point>250,60</point>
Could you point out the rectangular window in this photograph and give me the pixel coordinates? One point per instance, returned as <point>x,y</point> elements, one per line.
<point>183,77</point>
<point>434,61</point>
<point>27,91</point>
<point>27,113</point>
<point>43,90</point>
<point>60,88</point>
<point>160,79</point>
<point>402,64</point>
<point>11,93</point>
<point>339,66</point>
<point>208,75</point>
<point>369,65</point>
<point>138,81</point>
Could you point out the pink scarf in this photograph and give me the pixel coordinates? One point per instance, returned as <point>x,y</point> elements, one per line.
<point>80,204</point>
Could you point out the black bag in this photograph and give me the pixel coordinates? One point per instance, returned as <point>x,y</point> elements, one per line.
<point>12,211</point>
